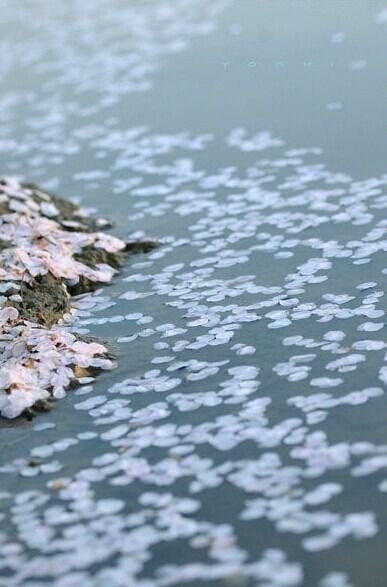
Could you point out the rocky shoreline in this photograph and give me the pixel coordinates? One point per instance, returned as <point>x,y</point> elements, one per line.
<point>50,250</point>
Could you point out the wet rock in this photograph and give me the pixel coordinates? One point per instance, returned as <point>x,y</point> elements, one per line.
<point>45,300</point>
<point>141,246</point>
<point>50,250</point>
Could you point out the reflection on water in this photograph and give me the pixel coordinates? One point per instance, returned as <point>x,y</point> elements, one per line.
<point>241,439</point>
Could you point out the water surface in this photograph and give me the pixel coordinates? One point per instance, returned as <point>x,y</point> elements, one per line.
<point>241,439</point>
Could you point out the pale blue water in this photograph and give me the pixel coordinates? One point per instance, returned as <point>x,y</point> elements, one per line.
<point>222,450</point>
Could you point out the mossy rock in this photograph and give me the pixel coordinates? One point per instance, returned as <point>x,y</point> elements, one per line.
<point>44,300</point>
<point>141,246</point>
<point>92,256</point>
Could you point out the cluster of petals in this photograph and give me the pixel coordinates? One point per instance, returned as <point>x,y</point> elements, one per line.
<point>37,362</point>
<point>39,244</point>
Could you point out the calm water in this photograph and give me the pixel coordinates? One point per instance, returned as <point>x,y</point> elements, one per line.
<point>241,440</point>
